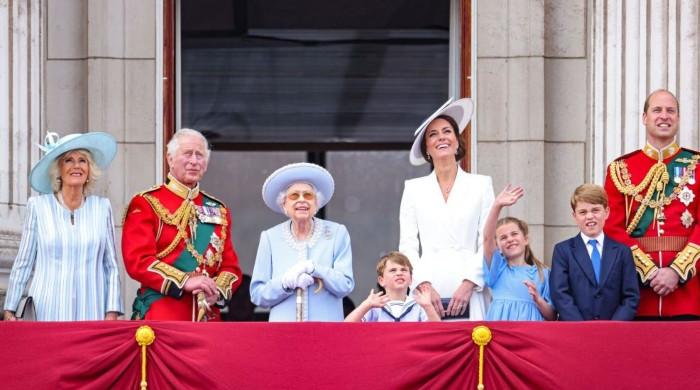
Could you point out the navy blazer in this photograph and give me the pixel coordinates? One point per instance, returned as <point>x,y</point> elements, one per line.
<point>573,288</point>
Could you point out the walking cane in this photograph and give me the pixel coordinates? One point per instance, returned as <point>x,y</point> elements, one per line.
<point>300,304</point>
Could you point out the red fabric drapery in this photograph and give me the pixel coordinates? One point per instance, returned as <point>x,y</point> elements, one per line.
<point>522,355</point>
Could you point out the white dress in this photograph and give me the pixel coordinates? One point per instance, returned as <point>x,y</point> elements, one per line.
<point>74,265</point>
<point>449,234</point>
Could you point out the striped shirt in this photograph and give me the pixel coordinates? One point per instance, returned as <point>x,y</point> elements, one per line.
<point>75,273</point>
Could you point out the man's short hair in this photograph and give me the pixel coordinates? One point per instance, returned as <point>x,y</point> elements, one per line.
<point>646,102</point>
<point>174,143</point>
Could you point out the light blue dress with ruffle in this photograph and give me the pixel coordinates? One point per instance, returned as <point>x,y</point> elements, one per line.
<point>511,300</point>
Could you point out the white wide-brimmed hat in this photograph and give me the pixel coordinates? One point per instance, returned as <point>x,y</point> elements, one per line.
<point>460,110</point>
<point>303,172</point>
<point>102,147</point>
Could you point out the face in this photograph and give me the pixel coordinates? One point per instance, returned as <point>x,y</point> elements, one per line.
<point>396,277</point>
<point>590,218</point>
<point>440,139</point>
<point>511,240</point>
<point>300,202</point>
<point>661,119</point>
<point>74,168</point>
<point>189,163</point>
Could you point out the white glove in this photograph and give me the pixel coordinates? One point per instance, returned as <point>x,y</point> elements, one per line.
<point>289,278</point>
<point>304,280</point>
<point>308,266</point>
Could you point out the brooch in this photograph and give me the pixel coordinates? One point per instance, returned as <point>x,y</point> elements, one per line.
<point>687,219</point>
<point>686,196</point>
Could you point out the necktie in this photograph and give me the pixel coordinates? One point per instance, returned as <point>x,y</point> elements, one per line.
<point>595,258</point>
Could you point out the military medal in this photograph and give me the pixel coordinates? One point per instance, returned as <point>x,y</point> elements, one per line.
<point>678,172</point>
<point>687,219</point>
<point>210,214</point>
<point>686,196</point>
<point>691,177</point>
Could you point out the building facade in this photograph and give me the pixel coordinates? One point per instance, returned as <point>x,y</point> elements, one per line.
<point>558,87</point>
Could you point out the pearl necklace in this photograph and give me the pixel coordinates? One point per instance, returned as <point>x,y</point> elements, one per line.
<point>72,211</point>
<point>311,239</point>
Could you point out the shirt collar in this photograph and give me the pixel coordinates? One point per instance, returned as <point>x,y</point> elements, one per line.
<point>600,238</point>
<point>180,189</point>
<point>665,152</point>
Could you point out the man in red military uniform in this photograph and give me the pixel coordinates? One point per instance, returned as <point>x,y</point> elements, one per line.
<point>654,208</point>
<point>177,241</point>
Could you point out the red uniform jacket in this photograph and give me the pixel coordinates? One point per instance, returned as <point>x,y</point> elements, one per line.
<point>654,209</point>
<point>160,252</point>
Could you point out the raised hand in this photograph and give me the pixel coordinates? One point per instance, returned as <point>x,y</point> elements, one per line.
<point>532,289</point>
<point>509,196</point>
<point>377,299</point>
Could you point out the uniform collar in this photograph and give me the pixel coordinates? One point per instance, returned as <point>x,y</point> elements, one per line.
<point>660,155</point>
<point>180,189</point>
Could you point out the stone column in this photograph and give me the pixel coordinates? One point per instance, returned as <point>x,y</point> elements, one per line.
<point>638,47</point>
<point>511,104</point>
<point>21,115</point>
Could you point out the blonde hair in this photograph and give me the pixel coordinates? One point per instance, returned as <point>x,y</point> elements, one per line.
<point>55,171</point>
<point>589,193</point>
<point>529,256</point>
<point>398,258</point>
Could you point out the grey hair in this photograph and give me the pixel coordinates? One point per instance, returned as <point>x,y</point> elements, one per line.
<point>283,194</point>
<point>174,143</point>
<point>55,172</point>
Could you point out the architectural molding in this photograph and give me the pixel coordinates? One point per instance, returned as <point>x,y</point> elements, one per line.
<point>638,47</point>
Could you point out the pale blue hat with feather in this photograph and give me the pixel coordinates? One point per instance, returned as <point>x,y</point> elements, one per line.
<point>102,146</point>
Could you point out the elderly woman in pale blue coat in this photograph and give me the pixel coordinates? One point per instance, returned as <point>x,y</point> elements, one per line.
<point>68,238</point>
<point>303,267</point>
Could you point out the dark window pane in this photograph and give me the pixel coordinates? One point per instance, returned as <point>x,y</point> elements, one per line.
<point>338,72</point>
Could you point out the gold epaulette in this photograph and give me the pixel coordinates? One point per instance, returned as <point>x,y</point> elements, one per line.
<point>214,198</point>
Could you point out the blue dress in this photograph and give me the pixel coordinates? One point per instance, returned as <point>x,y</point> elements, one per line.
<point>511,300</point>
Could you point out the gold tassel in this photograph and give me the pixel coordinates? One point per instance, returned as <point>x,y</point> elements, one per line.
<point>144,337</point>
<point>481,335</point>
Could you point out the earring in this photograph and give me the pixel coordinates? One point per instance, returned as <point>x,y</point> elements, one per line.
<point>427,156</point>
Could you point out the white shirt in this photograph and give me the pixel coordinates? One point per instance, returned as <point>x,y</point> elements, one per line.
<point>600,238</point>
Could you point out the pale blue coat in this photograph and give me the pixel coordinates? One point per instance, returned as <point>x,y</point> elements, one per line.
<point>329,250</point>
<point>75,270</point>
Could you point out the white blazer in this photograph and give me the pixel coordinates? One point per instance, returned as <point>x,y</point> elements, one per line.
<point>449,234</point>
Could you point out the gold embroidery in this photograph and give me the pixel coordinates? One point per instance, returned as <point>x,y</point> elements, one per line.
<point>644,264</point>
<point>685,261</point>
<point>185,216</point>
<point>654,182</point>
<point>224,281</point>
<point>170,273</point>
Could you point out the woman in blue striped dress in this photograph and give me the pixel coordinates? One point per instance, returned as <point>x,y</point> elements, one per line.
<point>68,236</point>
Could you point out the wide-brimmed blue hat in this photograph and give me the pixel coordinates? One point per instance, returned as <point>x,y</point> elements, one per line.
<point>303,172</point>
<point>102,147</point>
<point>460,110</point>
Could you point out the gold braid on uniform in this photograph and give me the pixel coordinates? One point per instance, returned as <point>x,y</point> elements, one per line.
<point>644,264</point>
<point>184,216</point>
<point>684,263</point>
<point>655,180</point>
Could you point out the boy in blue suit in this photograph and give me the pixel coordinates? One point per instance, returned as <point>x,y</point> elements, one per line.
<point>593,277</point>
